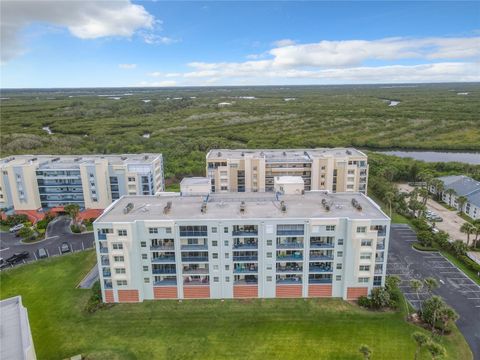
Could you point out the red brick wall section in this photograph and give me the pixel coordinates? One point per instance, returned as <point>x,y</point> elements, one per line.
<point>196,292</point>
<point>165,292</point>
<point>109,296</point>
<point>320,290</point>
<point>354,293</point>
<point>245,291</point>
<point>288,291</point>
<point>128,296</point>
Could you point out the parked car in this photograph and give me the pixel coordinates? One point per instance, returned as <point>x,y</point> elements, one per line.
<point>17,257</point>
<point>65,248</point>
<point>42,253</point>
<point>16,228</point>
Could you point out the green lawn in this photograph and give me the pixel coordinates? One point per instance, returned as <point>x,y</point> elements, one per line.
<point>269,329</point>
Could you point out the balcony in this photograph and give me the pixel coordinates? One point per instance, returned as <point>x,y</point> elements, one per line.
<point>321,257</point>
<point>102,236</point>
<point>245,246</point>
<point>244,233</point>
<point>245,257</point>
<point>321,245</point>
<point>105,262</point>
<point>194,233</point>
<point>319,281</point>
<point>290,280</point>
<point>168,282</point>
<point>289,268</point>
<point>194,247</point>
<point>380,246</point>
<point>195,281</point>
<point>169,247</point>
<point>106,274</point>
<point>379,259</point>
<point>245,268</point>
<point>320,269</point>
<point>164,271</point>
<point>290,256</point>
<point>290,232</point>
<point>194,258</point>
<point>192,270</point>
<point>290,245</point>
<point>103,250</point>
<point>163,259</point>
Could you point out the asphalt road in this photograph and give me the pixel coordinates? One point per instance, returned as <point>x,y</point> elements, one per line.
<point>58,231</point>
<point>459,291</point>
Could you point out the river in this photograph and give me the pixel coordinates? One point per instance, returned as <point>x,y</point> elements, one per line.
<point>438,156</point>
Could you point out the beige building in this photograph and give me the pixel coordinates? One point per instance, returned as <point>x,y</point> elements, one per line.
<point>29,182</point>
<point>335,170</point>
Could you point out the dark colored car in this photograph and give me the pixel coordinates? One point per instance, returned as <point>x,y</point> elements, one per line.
<point>42,253</point>
<point>17,257</point>
<point>65,248</point>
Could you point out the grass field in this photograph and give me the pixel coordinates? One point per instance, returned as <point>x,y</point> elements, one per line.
<point>270,329</point>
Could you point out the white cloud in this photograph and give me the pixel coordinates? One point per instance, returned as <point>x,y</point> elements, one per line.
<point>127,66</point>
<point>284,42</point>
<point>151,38</point>
<point>84,19</point>
<point>155,74</point>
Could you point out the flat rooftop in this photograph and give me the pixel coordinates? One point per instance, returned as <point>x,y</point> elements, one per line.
<point>73,161</point>
<point>190,181</point>
<point>257,206</point>
<point>284,155</point>
<point>14,329</point>
<point>287,179</point>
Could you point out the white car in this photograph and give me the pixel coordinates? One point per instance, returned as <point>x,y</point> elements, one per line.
<point>16,228</point>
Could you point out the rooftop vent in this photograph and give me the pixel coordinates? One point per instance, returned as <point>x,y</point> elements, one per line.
<point>145,157</point>
<point>356,204</point>
<point>284,153</point>
<point>203,209</point>
<point>77,159</point>
<point>325,205</point>
<point>242,207</point>
<point>262,153</point>
<point>243,154</point>
<point>283,207</point>
<point>349,152</point>
<point>219,154</point>
<point>128,208</point>
<point>167,208</point>
<point>55,159</point>
<point>33,159</point>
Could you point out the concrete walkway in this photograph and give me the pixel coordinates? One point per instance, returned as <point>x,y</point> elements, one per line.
<point>90,279</point>
<point>451,221</point>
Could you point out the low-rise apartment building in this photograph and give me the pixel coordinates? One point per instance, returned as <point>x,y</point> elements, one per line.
<point>335,169</point>
<point>241,245</point>
<point>455,186</point>
<point>29,182</point>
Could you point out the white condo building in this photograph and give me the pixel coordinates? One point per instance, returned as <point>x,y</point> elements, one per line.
<point>241,245</point>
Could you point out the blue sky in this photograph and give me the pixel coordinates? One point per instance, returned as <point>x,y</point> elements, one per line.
<point>70,44</point>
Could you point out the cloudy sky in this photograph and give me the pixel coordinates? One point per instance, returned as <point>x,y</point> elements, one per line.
<point>52,43</point>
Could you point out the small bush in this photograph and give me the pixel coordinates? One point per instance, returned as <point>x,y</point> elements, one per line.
<point>364,301</point>
<point>76,229</point>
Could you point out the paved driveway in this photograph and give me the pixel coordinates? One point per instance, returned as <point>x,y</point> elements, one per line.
<point>451,221</point>
<point>456,288</point>
<point>58,232</point>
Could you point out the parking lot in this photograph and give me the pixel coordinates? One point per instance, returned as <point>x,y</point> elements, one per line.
<point>456,288</point>
<point>57,233</point>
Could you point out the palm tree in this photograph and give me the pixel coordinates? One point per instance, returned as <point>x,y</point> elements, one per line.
<point>461,201</point>
<point>468,228</point>
<point>365,351</point>
<point>421,339</point>
<point>417,285</point>
<point>450,193</point>
<point>431,284</point>
<point>427,177</point>
<point>436,350</point>
<point>476,224</point>
<point>389,196</point>
<point>439,188</point>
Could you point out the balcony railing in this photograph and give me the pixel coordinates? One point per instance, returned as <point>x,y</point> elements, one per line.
<point>196,282</point>
<point>103,250</point>
<point>161,259</point>
<point>165,283</point>
<point>105,262</point>
<point>246,282</point>
<point>194,233</point>
<point>195,271</point>
<point>290,232</point>
<point>322,245</point>
<point>379,259</point>
<point>163,271</point>
<point>194,258</point>
<point>245,258</point>
<point>380,246</point>
<point>289,281</point>
<point>289,257</point>
<point>289,269</point>
<point>195,247</point>
<point>245,246</point>
<point>162,247</point>
<point>245,270</point>
<point>102,236</point>
<point>319,281</point>
<point>320,269</point>
<point>321,257</point>
<point>245,233</point>
<point>107,274</point>
<point>290,245</point>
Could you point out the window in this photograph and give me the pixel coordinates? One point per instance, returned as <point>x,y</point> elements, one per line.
<point>131,179</point>
<point>365,256</point>
<point>121,282</point>
<point>269,242</point>
<point>117,246</point>
<point>144,256</point>
<point>339,253</point>
<point>216,279</point>
<point>227,255</point>
<point>214,230</point>
<point>153,230</point>
<point>214,243</point>
<point>330,227</point>
<point>363,280</point>
<point>118,258</point>
<point>364,268</point>
<point>361,229</point>
<point>269,254</point>
<point>168,230</point>
<point>225,230</point>
<point>120,271</point>
<point>227,267</point>
<point>225,242</point>
<point>269,278</point>
<point>215,267</point>
<point>215,256</point>
<point>146,280</point>
<point>227,278</point>
<point>122,232</point>
<point>339,266</point>
<point>145,268</point>
<point>366,242</point>
<point>338,277</point>
<point>269,267</point>
<point>143,244</point>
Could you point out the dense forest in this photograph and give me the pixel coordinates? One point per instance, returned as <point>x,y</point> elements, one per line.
<point>184,123</point>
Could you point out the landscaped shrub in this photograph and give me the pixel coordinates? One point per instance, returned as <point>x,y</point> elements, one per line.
<point>15,219</point>
<point>76,229</point>
<point>95,301</point>
<point>364,301</point>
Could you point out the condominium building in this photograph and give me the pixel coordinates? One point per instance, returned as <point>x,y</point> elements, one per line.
<point>29,182</point>
<point>241,245</point>
<point>335,170</point>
